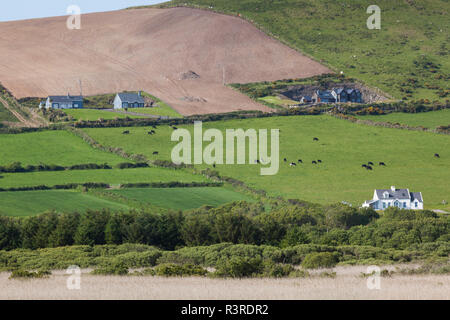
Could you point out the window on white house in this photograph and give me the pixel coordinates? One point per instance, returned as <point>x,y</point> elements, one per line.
<point>415,204</point>
<point>404,204</point>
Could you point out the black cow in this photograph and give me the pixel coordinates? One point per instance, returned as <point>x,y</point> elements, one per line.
<point>300,161</point>
<point>436,155</point>
<point>214,165</point>
<point>315,139</point>
<point>126,132</point>
<point>370,163</point>
<point>284,159</point>
<point>382,164</point>
<point>293,164</point>
<point>319,161</point>
<point>369,168</point>
<point>314,162</point>
<point>155,152</point>
<point>364,166</point>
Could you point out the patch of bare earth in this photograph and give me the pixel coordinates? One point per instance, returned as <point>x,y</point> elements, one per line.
<point>348,284</point>
<point>147,49</point>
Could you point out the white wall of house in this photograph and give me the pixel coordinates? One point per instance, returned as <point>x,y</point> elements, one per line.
<point>117,102</point>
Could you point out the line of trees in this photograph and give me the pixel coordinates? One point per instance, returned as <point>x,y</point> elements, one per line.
<point>17,167</point>
<point>288,224</point>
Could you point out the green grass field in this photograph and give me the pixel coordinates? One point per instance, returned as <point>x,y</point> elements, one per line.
<point>157,111</point>
<point>278,101</point>
<point>182,198</point>
<point>5,115</point>
<point>27,203</point>
<point>113,176</point>
<point>343,148</point>
<point>50,147</point>
<point>407,57</point>
<point>426,119</point>
<point>94,114</point>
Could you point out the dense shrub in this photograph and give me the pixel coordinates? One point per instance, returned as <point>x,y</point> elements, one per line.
<point>176,270</point>
<point>239,267</point>
<point>24,274</point>
<point>320,260</point>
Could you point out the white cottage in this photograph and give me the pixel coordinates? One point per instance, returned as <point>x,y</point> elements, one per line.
<point>129,100</point>
<point>400,198</point>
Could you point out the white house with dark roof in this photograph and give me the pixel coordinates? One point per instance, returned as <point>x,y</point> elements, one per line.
<point>129,100</point>
<point>63,102</point>
<point>400,198</point>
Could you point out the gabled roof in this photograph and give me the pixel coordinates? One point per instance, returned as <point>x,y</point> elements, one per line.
<point>131,97</point>
<point>338,90</point>
<point>307,98</point>
<point>325,94</point>
<point>65,99</point>
<point>416,195</point>
<point>397,194</point>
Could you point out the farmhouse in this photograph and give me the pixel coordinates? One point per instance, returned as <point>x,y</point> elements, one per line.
<point>400,198</point>
<point>129,100</point>
<point>323,96</point>
<point>64,102</point>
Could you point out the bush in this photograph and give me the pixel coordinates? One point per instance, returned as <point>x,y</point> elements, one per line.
<point>24,274</point>
<point>118,269</point>
<point>176,270</point>
<point>239,267</point>
<point>320,260</point>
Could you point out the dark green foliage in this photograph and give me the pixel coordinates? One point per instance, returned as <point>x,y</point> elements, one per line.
<point>320,260</point>
<point>239,267</point>
<point>24,274</point>
<point>176,270</point>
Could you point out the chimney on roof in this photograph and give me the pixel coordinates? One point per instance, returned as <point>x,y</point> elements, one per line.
<point>393,188</point>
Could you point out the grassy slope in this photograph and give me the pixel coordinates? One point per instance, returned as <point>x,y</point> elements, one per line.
<point>50,147</point>
<point>114,176</point>
<point>94,114</point>
<point>5,115</point>
<point>335,33</point>
<point>28,203</point>
<point>427,119</point>
<point>343,147</point>
<point>182,198</point>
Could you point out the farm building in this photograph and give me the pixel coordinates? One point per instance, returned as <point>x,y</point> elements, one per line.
<point>128,100</point>
<point>306,99</point>
<point>323,96</point>
<point>400,198</point>
<point>63,102</point>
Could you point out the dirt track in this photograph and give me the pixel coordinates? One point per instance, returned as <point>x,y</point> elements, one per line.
<point>147,49</point>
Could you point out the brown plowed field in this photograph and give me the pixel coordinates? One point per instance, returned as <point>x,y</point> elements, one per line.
<point>148,49</point>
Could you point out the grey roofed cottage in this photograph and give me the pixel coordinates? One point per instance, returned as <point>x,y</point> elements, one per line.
<point>129,100</point>
<point>64,102</point>
<point>400,198</point>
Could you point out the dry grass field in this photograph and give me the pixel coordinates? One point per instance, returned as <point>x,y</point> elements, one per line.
<point>348,284</point>
<point>150,50</point>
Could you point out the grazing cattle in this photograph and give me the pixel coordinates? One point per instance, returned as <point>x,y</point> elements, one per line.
<point>154,127</point>
<point>293,164</point>
<point>370,163</point>
<point>257,161</point>
<point>314,162</point>
<point>214,165</point>
<point>319,161</point>
<point>126,132</point>
<point>369,168</point>
<point>300,161</point>
<point>436,155</point>
<point>152,132</point>
<point>155,152</point>
<point>174,128</point>
<point>382,164</point>
<point>315,139</point>
<point>284,159</point>
<point>364,166</point>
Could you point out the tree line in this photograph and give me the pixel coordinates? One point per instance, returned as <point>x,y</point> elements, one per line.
<point>289,223</point>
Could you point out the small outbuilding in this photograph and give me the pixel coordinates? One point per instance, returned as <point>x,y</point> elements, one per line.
<point>129,100</point>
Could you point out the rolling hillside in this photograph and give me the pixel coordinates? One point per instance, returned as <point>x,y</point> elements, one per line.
<point>180,55</point>
<point>408,57</point>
